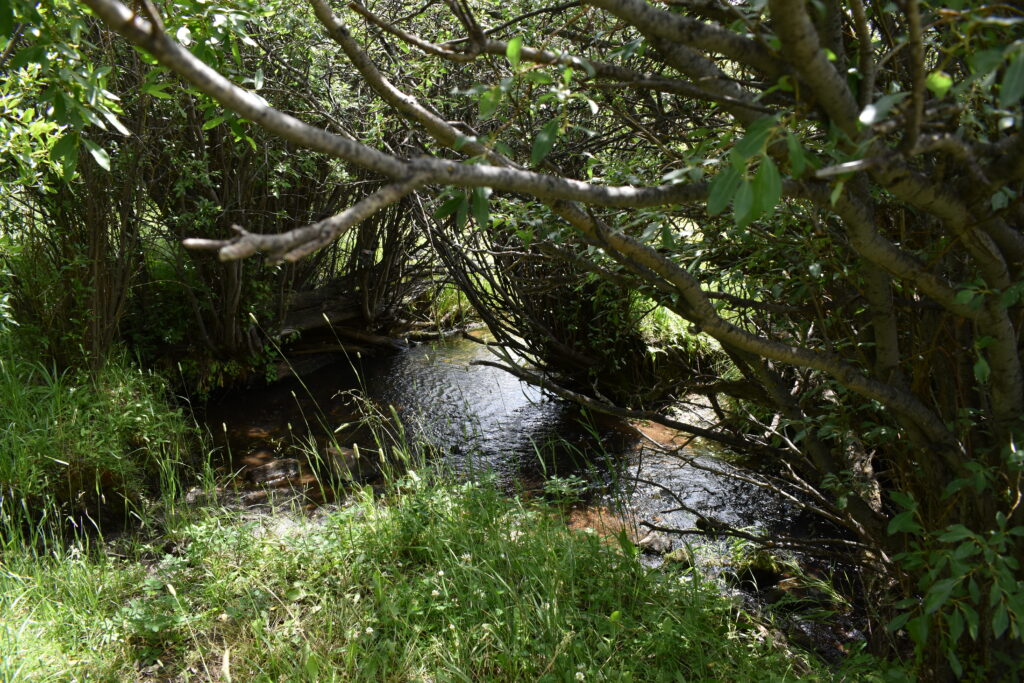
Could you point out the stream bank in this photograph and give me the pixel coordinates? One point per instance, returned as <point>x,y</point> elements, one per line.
<point>612,476</point>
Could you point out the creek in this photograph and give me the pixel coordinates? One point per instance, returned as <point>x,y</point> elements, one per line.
<point>479,420</point>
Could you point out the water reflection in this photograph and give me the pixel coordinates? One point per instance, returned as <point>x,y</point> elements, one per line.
<point>481,419</point>
<point>484,419</point>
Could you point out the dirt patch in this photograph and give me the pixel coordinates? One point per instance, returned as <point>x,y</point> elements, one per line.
<point>601,520</point>
<point>662,435</point>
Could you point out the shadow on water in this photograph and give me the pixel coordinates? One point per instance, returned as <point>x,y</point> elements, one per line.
<point>479,419</point>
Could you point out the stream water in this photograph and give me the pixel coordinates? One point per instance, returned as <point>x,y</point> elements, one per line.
<point>481,419</point>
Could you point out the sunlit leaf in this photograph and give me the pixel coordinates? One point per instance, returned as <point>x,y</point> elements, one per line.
<point>184,36</point>
<point>99,154</point>
<point>874,113</point>
<point>513,50</point>
<point>939,82</point>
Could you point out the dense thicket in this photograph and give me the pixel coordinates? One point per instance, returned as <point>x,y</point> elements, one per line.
<point>829,190</point>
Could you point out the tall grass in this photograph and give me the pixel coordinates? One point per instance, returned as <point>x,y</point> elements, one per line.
<point>80,449</point>
<point>439,582</point>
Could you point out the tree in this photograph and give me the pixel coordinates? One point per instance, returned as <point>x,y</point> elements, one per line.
<point>866,284</point>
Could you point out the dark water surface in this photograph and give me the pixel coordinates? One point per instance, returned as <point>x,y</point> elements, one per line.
<point>481,419</point>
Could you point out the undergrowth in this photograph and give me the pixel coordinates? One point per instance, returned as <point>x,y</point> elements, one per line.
<point>81,448</point>
<point>439,582</point>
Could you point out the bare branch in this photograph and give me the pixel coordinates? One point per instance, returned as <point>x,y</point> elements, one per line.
<point>801,44</point>
<point>695,34</point>
<point>295,244</point>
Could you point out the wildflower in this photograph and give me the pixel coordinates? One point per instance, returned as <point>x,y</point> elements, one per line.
<point>451,627</point>
<point>440,572</point>
<point>369,630</point>
<point>580,676</point>
<point>435,593</point>
<point>465,557</point>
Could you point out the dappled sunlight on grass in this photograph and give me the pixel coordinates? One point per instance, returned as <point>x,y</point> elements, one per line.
<point>438,582</point>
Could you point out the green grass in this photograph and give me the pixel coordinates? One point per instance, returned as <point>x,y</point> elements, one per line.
<point>441,582</point>
<point>81,448</point>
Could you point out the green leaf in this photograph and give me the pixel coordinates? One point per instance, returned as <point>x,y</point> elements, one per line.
<point>918,629</point>
<point>461,140</point>
<point>955,622</point>
<point>904,523</point>
<point>767,187</point>
<point>544,142</point>
<point>538,77</point>
<point>479,206</point>
<point>797,157</point>
<point>723,189</point>
<point>627,50</point>
<point>34,54</point>
<point>489,102</point>
<point>837,191</point>
<point>904,500</point>
<point>462,214</point>
<point>450,206</point>
<point>157,90</point>
<point>954,663</point>
<point>939,82</point>
<point>513,50</point>
<point>965,296</point>
<point>99,154</point>
<point>971,617</point>
<point>897,623</point>
<point>985,61</point>
<point>982,371</point>
<point>214,122</point>
<point>1012,87</point>
<point>1000,620</point>
<point>6,18</point>
<point>66,149</point>
<point>753,142</point>
<point>743,205</point>
<point>938,594</point>
<point>956,532</point>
